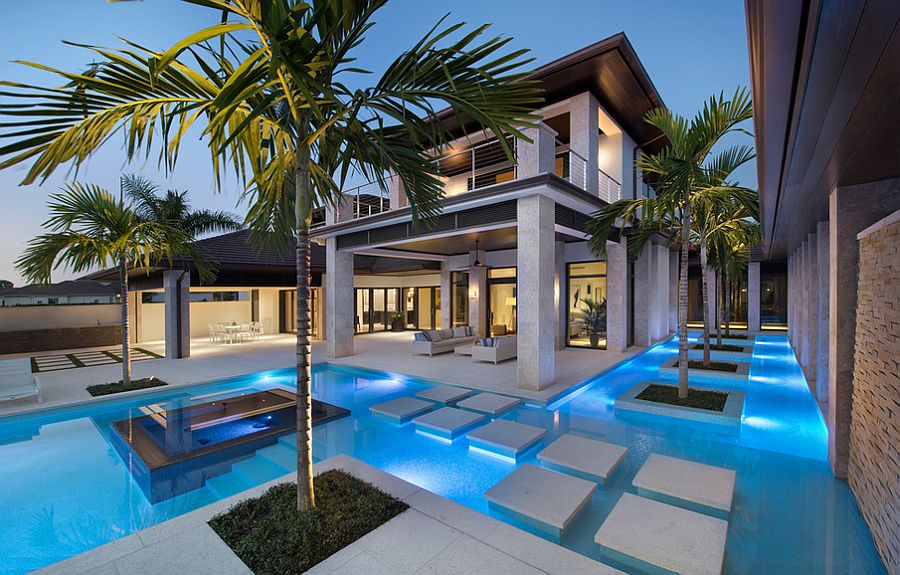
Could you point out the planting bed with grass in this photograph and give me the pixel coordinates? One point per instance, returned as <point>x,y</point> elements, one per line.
<point>713,365</point>
<point>119,387</point>
<point>700,399</point>
<point>272,538</point>
<point>723,347</point>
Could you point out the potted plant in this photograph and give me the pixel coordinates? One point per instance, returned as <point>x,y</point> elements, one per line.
<point>396,319</point>
<point>594,319</point>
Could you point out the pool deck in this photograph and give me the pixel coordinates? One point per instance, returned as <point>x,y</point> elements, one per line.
<point>435,535</point>
<point>389,352</point>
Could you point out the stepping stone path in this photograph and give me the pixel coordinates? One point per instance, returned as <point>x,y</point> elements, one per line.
<point>402,409</point>
<point>543,498</point>
<point>489,403</point>
<point>687,483</point>
<point>659,538</point>
<point>445,394</point>
<point>594,459</point>
<point>506,437</point>
<point>448,422</point>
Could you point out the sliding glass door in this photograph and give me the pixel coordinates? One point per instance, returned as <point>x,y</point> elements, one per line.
<point>502,317</point>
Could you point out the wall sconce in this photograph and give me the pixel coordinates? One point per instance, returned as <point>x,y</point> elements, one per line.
<point>473,292</point>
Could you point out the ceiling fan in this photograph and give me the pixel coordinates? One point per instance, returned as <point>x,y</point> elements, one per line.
<point>477,263</point>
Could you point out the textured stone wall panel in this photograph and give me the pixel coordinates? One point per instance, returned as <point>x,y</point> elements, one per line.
<point>874,472</point>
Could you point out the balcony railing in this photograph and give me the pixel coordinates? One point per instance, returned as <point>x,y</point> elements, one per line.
<point>571,166</point>
<point>367,200</point>
<point>609,189</point>
<point>477,167</point>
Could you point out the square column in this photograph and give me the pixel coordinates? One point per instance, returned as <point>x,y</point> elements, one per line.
<point>446,320</point>
<point>753,295</point>
<point>478,296</point>
<point>822,259</point>
<point>539,155</point>
<point>643,296</point>
<point>536,261</point>
<point>397,193</point>
<point>713,287</point>
<point>339,303</point>
<point>812,307</point>
<point>673,290</point>
<point>803,304</point>
<point>177,288</point>
<point>341,212</point>
<point>584,122</point>
<point>851,209</point>
<point>790,299</point>
<point>617,295</point>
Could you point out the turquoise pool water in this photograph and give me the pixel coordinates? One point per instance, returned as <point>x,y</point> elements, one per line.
<point>64,489</point>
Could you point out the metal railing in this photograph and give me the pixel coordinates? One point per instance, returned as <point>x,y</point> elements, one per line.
<point>367,200</point>
<point>571,166</point>
<point>477,167</point>
<point>608,189</point>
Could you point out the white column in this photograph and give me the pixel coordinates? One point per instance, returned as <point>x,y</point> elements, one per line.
<point>643,294</point>
<point>584,130</point>
<point>539,155</point>
<point>478,296</point>
<point>323,306</point>
<point>823,258</point>
<point>673,290</point>
<point>446,320</point>
<point>812,310</point>
<point>342,212</point>
<point>339,314</point>
<point>617,295</point>
<point>397,193</point>
<point>804,308</point>
<point>177,287</point>
<point>753,295</point>
<point>536,255</point>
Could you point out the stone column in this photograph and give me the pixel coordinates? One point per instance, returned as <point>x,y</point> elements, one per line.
<point>559,295</point>
<point>478,297</point>
<point>753,295</point>
<point>584,130</point>
<point>790,299</point>
<point>538,156</point>
<point>446,320</point>
<point>339,312</point>
<point>643,297</point>
<point>713,286</point>
<point>342,212</point>
<point>177,287</point>
<point>812,314</point>
<point>397,193</point>
<point>673,290</point>
<point>804,305</point>
<point>322,318</point>
<point>851,209</point>
<point>822,257</point>
<point>536,261</point>
<point>617,295</point>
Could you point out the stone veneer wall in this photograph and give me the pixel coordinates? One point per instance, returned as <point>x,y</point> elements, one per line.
<point>59,338</point>
<point>874,469</point>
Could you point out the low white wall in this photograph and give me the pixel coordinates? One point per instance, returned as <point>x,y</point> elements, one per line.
<point>58,316</point>
<point>205,313</point>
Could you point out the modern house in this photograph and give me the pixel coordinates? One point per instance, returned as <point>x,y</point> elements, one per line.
<point>826,87</point>
<point>63,293</point>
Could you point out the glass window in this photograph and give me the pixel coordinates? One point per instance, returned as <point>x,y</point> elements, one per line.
<point>499,273</point>
<point>501,285</point>
<point>586,304</point>
<point>459,298</point>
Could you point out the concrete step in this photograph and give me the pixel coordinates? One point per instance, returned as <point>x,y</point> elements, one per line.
<point>281,455</point>
<point>226,485</point>
<point>289,440</point>
<point>257,470</point>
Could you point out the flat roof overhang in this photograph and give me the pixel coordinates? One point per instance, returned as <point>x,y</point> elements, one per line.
<point>826,91</point>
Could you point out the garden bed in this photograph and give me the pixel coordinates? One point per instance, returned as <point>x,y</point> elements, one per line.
<point>723,347</point>
<point>697,398</point>
<point>119,387</point>
<point>713,365</point>
<point>272,538</point>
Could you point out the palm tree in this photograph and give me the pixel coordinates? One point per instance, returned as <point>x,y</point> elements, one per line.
<point>175,208</point>
<point>682,171</point>
<point>271,84</point>
<point>89,228</point>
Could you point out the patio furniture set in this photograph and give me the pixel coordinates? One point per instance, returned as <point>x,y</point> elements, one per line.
<point>234,332</point>
<point>462,341</point>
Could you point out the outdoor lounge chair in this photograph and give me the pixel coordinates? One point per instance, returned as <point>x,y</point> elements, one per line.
<point>17,381</point>
<point>501,349</point>
<point>441,340</point>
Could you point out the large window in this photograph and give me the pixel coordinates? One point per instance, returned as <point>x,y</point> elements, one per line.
<point>419,308</point>
<point>586,304</point>
<point>773,295</point>
<point>502,316</point>
<point>459,298</point>
<point>198,296</point>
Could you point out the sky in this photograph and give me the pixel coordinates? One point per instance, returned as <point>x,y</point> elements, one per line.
<point>690,48</point>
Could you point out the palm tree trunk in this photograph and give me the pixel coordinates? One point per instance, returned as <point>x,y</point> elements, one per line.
<point>727,306</point>
<point>306,498</point>
<point>126,332</point>
<point>719,315</point>
<point>683,302</point>
<point>704,271</point>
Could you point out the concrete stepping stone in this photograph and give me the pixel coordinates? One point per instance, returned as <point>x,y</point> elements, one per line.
<point>545,499</point>
<point>448,422</point>
<point>689,484</point>
<point>655,537</point>
<point>445,394</point>
<point>595,460</point>
<point>506,437</point>
<point>489,403</point>
<point>401,409</point>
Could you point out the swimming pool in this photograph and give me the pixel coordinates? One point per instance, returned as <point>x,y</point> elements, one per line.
<point>65,489</point>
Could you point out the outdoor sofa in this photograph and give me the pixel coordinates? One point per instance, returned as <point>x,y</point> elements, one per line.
<point>442,340</point>
<point>495,349</point>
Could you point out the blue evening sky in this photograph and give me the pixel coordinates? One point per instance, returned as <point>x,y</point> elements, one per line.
<point>691,49</point>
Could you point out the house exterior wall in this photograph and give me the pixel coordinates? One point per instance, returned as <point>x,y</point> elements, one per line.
<point>874,468</point>
<point>58,316</point>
